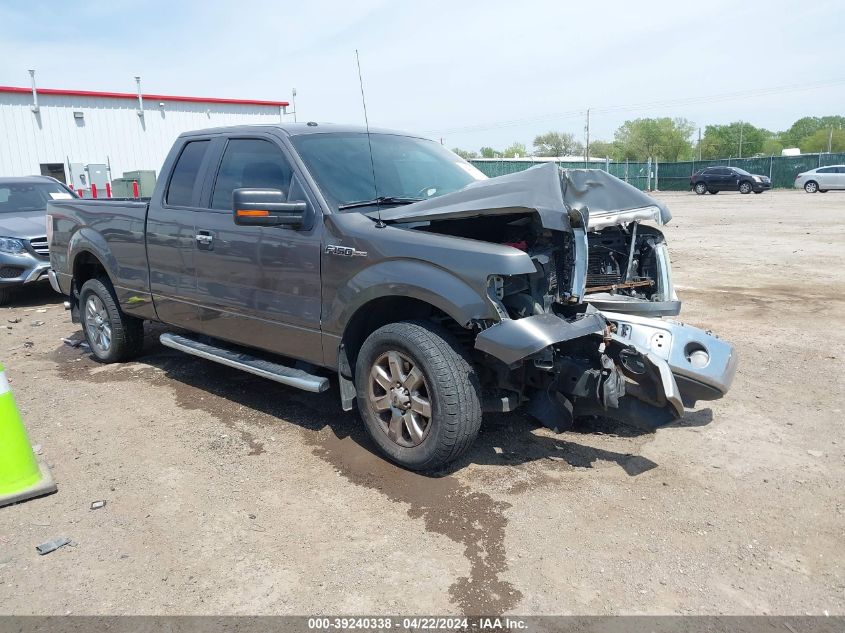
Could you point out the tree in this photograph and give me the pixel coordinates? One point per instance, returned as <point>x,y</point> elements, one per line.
<point>489,152</point>
<point>818,142</point>
<point>603,149</point>
<point>464,153</point>
<point>557,144</point>
<point>772,146</point>
<point>664,139</point>
<point>515,150</point>
<point>809,125</point>
<point>734,139</point>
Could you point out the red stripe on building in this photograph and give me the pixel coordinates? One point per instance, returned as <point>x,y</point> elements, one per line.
<point>128,95</point>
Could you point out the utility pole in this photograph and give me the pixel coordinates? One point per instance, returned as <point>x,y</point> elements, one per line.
<point>587,144</point>
<point>741,125</point>
<point>699,145</point>
<point>830,140</point>
<point>293,102</point>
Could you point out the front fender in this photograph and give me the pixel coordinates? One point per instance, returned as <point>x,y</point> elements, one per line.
<point>414,279</point>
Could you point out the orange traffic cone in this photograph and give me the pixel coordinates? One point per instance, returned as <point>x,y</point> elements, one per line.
<point>21,476</point>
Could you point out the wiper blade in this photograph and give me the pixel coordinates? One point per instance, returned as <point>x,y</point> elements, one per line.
<point>378,201</point>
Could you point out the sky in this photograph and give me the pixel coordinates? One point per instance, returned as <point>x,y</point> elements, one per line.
<point>464,72</point>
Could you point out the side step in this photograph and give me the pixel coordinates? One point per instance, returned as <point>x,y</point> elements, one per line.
<point>245,362</point>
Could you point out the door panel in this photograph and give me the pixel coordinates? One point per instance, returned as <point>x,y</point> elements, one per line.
<point>258,286</point>
<point>170,237</point>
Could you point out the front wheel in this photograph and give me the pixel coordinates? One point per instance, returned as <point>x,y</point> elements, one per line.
<point>700,188</point>
<point>112,335</point>
<point>745,187</point>
<point>811,186</point>
<point>417,394</point>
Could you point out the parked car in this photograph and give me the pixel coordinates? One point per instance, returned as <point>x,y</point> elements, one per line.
<point>432,292</point>
<point>822,179</point>
<point>716,179</point>
<point>24,255</point>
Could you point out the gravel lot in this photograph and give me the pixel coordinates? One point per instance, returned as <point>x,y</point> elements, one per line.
<point>230,494</point>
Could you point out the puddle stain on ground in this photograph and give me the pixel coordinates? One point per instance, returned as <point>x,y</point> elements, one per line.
<point>472,519</point>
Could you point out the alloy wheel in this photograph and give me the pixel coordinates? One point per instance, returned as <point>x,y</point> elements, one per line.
<point>399,396</point>
<point>97,324</point>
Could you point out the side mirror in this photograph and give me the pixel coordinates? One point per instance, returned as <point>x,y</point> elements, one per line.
<point>266,207</point>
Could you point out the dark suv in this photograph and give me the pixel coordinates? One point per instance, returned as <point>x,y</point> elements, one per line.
<point>716,179</point>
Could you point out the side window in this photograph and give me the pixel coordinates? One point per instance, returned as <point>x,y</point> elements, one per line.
<point>180,191</point>
<point>826,170</point>
<point>250,163</point>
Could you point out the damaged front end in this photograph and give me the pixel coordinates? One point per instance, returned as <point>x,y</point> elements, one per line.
<point>584,334</point>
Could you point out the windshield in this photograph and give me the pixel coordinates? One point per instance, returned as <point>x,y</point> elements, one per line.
<point>741,172</point>
<point>405,167</point>
<point>19,197</point>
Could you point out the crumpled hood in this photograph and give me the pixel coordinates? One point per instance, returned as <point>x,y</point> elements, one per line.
<point>609,199</point>
<point>25,225</point>
<point>545,189</point>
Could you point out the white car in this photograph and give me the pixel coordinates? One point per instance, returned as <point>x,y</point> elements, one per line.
<point>822,179</point>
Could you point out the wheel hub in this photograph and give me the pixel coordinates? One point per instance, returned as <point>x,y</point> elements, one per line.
<point>400,398</point>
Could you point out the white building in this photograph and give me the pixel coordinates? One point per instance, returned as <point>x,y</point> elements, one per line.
<point>54,132</point>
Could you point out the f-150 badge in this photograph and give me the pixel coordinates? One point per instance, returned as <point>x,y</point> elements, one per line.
<point>345,251</point>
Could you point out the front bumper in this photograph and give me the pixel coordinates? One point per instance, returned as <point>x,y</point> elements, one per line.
<point>702,365</point>
<point>761,186</point>
<point>679,364</point>
<point>22,268</point>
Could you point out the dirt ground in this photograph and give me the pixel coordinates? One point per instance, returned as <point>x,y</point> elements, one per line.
<point>228,494</point>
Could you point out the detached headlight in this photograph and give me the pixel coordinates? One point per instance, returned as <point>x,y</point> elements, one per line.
<point>758,179</point>
<point>11,245</point>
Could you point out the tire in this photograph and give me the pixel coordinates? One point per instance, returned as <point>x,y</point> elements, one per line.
<point>811,186</point>
<point>112,335</point>
<point>700,188</point>
<point>5,296</point>
<point>745,187</point>
<point>415,367</point>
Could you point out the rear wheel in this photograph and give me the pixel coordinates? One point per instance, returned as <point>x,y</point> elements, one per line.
<point>811,186</point>
<point>417,394</point>
<point>112,335</point>
<point>745,187</point>
<point>700,188</point>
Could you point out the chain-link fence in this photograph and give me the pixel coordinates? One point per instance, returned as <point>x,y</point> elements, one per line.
<point>676,176</point>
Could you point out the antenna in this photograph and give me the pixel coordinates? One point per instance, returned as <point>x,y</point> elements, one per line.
<point>379,224</point>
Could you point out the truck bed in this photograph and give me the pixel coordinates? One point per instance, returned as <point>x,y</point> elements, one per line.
<point>116,227</point>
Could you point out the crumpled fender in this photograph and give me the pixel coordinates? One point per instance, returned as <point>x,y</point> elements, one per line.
<point>512,340</point>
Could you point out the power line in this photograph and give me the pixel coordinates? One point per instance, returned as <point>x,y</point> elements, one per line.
<point>717,98</point>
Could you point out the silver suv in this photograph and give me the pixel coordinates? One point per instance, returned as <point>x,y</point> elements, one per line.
<point>24,254</point>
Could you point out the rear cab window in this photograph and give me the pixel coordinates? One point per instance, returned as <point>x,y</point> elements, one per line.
<point>184,179</point>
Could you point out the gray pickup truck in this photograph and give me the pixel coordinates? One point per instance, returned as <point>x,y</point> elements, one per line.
<point>432,292</point>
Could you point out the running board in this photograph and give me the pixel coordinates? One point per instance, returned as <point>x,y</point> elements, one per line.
<point>245,362</point>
